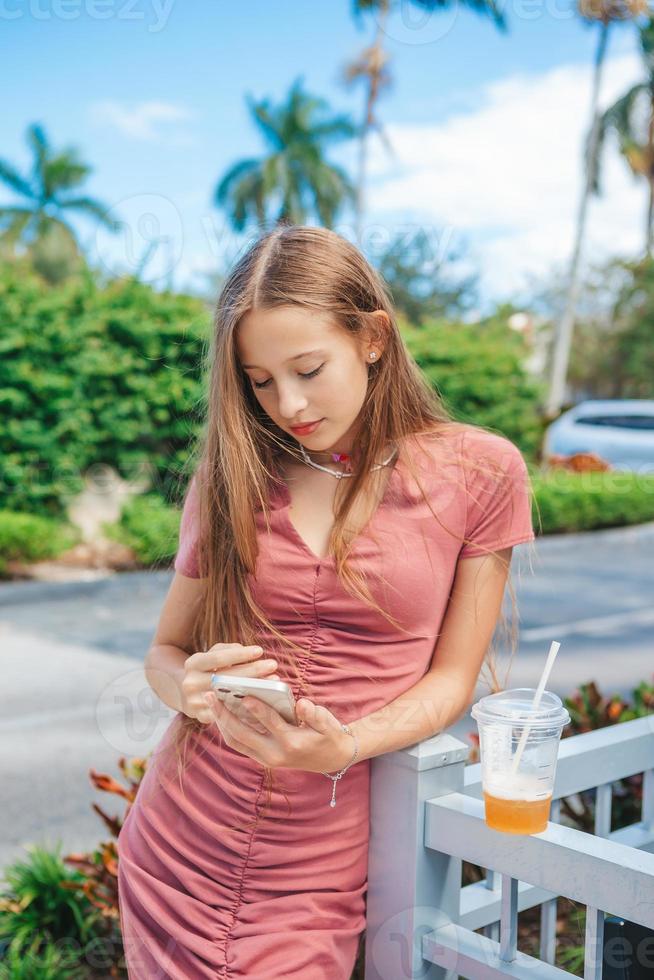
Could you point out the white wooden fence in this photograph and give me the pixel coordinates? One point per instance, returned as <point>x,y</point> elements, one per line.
<point>427,816</point>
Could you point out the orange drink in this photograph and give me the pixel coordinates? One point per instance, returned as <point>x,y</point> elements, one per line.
<point>517,816</point>
<point>517,804</point>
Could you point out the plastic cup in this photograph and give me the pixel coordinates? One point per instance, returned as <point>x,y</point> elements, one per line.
<point>517,800</point>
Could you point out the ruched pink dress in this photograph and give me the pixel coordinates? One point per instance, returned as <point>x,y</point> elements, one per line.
<point>211,886</point>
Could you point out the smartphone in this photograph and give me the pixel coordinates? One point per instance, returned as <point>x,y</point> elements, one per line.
<point>231,689</point>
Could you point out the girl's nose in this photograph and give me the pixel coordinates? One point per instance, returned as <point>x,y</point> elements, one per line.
<point>291,405</point>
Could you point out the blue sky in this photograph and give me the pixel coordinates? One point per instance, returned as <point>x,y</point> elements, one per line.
<point>486,127</point>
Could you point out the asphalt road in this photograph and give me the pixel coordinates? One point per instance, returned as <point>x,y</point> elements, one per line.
<point>74,696</point>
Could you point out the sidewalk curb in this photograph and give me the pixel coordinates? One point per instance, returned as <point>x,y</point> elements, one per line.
<point>616,534</point>
<point>36,590</point>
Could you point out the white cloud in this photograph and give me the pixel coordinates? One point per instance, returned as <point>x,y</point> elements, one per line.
<point>148,121</point>
<point>506,176</point>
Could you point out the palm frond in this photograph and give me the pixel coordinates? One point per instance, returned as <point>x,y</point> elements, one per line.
<point>64,171</point>
<point>385,141</point>
<point>619,116</point>
<point>95,209</point>
<point>13,223</point>
<point>620,119</point>
<point>637,157</point>
<point>240,193</point>
<point>240,171</point>
<point>10,176</point>
<point>362,7</point>
<point>38,143</point>
<point>338,128</point>
<point>485,8</point>
<point>646,40</point>
<point>593,155</point>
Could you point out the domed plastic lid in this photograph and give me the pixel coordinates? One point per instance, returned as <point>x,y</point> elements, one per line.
<point>515,707</point>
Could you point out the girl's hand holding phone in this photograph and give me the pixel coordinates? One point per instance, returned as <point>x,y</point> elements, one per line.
<point>316,744</point>
<point>221,658</point>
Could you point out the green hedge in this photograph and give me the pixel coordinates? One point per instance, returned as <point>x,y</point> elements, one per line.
<point>90,373</point>
<point>29,538</point>
<point>150,527</point>
<point>587,501</point>
<point>479,371</point>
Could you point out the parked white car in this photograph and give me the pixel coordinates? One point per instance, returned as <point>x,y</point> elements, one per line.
<point>621,431</point>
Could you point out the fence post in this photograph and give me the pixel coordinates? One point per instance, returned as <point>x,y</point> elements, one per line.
<point>411,889</point>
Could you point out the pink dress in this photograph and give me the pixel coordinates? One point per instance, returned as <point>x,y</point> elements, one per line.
<point>206,887</point>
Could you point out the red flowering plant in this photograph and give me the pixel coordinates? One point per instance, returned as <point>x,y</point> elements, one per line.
<point>99,868</point>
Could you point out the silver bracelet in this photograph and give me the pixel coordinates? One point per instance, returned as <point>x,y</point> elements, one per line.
<point>338,775</point>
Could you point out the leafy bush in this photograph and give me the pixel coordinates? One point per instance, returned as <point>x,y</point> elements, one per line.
<point>584,501</point>
<point>424,283</point>
<point>479,371</point>
<point>590,709</point>
<point>40,960</point>
<point>91,373</point>
<point>612,353</point>
<point>31,538</point>
<point>63,924</point>
<point>44,923</point>
<point>150,527</point>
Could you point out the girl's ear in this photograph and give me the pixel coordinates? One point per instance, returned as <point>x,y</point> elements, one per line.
<point>376,332</point>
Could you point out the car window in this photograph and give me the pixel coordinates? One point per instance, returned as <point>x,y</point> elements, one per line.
<point>642,422</point>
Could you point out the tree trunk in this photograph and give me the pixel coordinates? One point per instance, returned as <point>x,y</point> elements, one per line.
<point>360,185</point>
<point>371,98</point>
<point>563,341</point>
<point>650,181</point>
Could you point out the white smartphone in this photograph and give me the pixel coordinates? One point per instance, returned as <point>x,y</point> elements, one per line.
<point>231,689</point>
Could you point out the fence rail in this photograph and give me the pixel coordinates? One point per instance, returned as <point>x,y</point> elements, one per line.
<point>427,817</point>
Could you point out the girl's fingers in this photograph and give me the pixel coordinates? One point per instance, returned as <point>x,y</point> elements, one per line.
<point>247,719</point>
<point>224,719</point>
<point>223,713</point>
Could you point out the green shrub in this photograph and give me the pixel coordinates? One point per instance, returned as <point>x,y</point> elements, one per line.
<point>94,373</point>
<point>585,501</point>
<point>40,960</point>
<point>27,537</point>
<point>479,371</point>
<point>43,920</point>
<point>150,527</point>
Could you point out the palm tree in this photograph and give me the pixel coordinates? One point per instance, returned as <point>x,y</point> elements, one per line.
<point>371,68</point>
<point>294,177</point>
<point>39,222</point>
<point>605,13</point>
<point>631,118</point>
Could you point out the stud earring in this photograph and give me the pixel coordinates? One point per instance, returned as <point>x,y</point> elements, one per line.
<point>372,355</point>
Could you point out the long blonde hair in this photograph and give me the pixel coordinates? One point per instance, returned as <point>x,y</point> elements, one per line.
<point>235,460</point>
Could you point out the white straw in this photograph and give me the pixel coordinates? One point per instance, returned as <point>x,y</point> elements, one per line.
<point>551,657</point>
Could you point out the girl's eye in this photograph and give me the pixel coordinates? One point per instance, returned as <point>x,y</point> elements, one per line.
<point>311,374</point>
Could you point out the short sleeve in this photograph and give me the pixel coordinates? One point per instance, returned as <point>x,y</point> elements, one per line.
<point>186,560</point>
<point>498,511</point>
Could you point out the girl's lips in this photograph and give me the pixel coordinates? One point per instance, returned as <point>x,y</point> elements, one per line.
<point>305,429</point>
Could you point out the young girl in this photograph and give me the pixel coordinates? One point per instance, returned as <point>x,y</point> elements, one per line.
<point>343,534</point>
